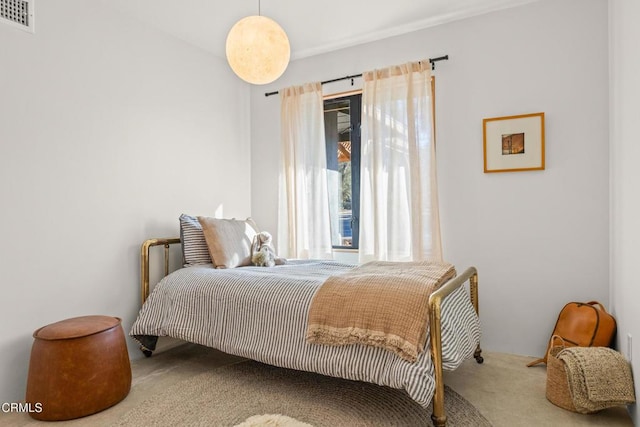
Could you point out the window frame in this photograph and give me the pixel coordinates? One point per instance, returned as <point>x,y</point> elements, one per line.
<point>355,160</point>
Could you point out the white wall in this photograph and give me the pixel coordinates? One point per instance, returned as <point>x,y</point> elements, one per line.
<point>539,239</point>
<point>625,175</point>
<point>108,131</point>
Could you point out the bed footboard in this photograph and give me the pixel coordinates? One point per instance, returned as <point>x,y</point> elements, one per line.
<point>439,417</point>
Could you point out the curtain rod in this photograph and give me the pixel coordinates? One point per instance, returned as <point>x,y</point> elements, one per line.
<point>431,60</point>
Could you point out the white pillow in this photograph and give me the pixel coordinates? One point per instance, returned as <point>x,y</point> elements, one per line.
<point>229,240</point>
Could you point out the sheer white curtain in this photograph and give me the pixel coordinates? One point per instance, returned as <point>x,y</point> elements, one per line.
<point>303,218</point>
<point>399,218</point>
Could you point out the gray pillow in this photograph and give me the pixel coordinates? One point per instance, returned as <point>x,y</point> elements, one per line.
<point>194,246</point>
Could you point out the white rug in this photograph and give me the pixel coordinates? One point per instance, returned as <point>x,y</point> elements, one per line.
<point>272,420</point>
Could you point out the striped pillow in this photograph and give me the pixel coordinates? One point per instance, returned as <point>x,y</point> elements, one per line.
<point>194,246</point>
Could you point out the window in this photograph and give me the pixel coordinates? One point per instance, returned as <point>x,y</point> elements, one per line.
<point>342,115</point>
<point>342,133</point>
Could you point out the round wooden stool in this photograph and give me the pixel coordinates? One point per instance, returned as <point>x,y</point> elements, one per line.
<point>78,367</point>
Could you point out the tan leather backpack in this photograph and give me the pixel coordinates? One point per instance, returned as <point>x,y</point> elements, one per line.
<point>583,324</point>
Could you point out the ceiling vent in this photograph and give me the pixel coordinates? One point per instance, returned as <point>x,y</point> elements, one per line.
<point>17,13</point>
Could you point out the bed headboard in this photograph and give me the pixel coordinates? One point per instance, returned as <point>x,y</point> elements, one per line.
<point>144,262</point>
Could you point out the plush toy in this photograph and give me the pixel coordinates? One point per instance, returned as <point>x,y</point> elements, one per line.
<point>264,257</point>
<point>262,254</point>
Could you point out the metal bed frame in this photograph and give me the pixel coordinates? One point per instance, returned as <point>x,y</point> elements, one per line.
<point>438,416</point>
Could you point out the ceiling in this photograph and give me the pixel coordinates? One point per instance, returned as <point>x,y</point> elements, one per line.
<point>313,27</point>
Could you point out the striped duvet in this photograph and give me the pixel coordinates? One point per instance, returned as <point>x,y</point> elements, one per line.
<point>261,314</point>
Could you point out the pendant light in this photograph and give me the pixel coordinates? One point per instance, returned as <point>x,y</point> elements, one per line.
<point>258,49</point>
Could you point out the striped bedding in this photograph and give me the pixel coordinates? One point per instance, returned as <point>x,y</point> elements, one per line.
<point>261,314</point>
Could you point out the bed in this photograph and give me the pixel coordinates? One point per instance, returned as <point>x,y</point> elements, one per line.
<point>261,314</point>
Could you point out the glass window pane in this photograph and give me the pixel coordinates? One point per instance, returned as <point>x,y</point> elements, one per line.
<point>338,134</point>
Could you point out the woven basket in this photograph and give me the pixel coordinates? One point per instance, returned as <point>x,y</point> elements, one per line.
<point>557,384</point>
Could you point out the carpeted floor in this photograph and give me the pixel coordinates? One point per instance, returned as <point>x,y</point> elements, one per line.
<point>229,395</point>
<point>503,390</point>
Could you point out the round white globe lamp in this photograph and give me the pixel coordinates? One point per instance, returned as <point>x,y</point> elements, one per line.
<point>258,50</point>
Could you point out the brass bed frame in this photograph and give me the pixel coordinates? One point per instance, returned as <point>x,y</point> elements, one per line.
<point>438,416</point>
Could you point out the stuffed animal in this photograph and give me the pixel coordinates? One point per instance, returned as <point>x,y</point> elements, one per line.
<point>265,257</point>
<point>262,254</point>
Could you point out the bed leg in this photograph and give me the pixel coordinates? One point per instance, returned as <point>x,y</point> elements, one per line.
<point>439,416</point>
<point>147,353</point>
<point>439,421</point>
<point>478,355</point>
<point>473,288</point>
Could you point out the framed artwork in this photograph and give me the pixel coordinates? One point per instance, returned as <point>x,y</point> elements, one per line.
<point>514,143</point>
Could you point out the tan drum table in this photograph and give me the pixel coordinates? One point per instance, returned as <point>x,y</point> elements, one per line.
<point>78,367</point>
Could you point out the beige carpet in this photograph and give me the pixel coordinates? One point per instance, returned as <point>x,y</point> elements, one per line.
<point>505,391</point>
<point>230,395</point>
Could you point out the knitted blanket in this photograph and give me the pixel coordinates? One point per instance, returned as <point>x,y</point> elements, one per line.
<point>598,378</point>
<point>383,304</point>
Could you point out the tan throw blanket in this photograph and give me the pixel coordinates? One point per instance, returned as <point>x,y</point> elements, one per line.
<point>383,304</point>
<point>598,378</point>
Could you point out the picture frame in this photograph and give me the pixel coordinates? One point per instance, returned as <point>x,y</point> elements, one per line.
<point>513,143</point>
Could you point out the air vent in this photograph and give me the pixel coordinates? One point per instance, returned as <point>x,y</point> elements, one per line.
<point>17,13</point>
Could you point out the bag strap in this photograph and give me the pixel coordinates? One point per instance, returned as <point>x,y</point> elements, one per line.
<point>551,344</point>
<point>535,362</point>
<point>597,303</point>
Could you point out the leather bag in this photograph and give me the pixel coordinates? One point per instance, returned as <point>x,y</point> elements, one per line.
<point>583,324</point>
